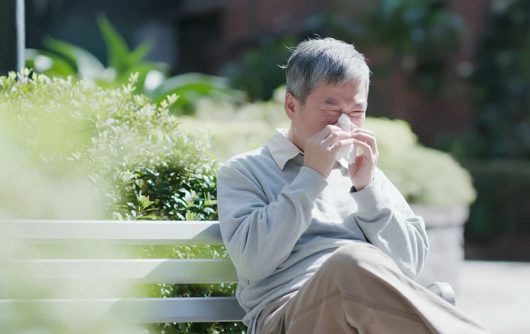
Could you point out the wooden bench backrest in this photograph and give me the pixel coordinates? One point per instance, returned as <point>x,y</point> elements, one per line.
<point>172,271</point>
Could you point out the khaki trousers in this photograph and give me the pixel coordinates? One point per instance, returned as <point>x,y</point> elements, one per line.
<point>359,289</point>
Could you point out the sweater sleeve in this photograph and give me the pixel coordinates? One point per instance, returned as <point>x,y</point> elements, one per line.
<point>259,235</point>
<point>389,223</point>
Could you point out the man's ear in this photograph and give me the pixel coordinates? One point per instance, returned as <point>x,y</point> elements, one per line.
<point>291,105</point>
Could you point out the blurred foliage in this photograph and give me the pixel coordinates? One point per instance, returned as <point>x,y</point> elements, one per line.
<point>39,136</point>
<point>38,181</point>
<point>498,150</point>
<point>130,151</point>
<point>121,137</point>
<point>258,71</point>
<point>413,36</point>
<point>503,205</point>
<point>236,129</point>
<point>191,87</point>
<point>423,175</point>
<point>64,59</point>
<point>502,84</point>
<point>420,37</point>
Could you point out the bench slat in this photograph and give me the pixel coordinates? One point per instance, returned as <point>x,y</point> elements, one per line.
<point>171,271</point>
<point>128,232</point>
<point>137,310</point>
<point>78,233</point>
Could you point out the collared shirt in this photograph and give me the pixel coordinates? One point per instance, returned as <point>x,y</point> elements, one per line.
<point>280,220</point>
<point>282,149</point>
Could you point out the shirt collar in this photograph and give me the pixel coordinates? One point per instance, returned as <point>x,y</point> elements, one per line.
<point>283,149</point>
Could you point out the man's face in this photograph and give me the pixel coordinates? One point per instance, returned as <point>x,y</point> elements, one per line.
<point>323,107</point>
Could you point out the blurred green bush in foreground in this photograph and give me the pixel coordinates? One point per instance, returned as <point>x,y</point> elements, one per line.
<point>120,139</point>
<point>61,137</point>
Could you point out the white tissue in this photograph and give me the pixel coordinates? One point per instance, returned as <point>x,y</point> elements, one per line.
<point>347,153</point>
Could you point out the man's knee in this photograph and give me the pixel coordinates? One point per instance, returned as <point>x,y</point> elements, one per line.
<point>355,258</point>
<point>349,256</point>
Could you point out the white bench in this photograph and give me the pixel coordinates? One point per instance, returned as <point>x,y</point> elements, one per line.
<point>125,234</point>
<point>122,234</point>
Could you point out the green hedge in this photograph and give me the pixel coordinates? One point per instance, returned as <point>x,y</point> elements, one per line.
<point>502,206</point>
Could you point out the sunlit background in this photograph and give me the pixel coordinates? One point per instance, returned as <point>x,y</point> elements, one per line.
<point>133,90</point>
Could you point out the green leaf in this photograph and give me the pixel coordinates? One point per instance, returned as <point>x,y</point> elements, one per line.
<point>59,66</point>
<point>143,70</point>
<point>139,53</point>
<point>190,87</point>
<point>117,49</point>
<point>144,202</point>
<point>88,66</point>
<point>148,217</point>
<point>190,216</point>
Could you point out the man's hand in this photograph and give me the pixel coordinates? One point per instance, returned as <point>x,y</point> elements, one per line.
<point>320,150</point>
<point>362,171</point>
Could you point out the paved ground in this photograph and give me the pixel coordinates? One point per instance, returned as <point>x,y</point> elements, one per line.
<point>496,295</point>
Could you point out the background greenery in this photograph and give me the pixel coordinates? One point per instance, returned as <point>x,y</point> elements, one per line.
<point>502,87</point>
<point>423,175</point>
<point>111,147</point>
<point>62,59</point>
<point>412,36</point>
<point>421,40</point>
<point>497,150</point>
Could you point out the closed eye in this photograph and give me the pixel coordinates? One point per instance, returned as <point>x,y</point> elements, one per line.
<point>356,112</point>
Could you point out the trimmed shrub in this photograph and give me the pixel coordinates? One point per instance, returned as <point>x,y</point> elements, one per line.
<point>155,170</point>
<point>423,175</point>
<point>129,150</point>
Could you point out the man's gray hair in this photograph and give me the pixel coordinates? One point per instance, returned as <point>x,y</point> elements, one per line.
<point>324,60</point>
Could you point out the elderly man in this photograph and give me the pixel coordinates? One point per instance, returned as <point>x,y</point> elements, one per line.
<point>322,241</point>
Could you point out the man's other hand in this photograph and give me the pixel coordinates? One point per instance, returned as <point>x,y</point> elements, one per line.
<point>362,171</point>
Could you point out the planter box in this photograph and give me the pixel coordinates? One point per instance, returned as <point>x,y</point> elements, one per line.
<point>445,229</point>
